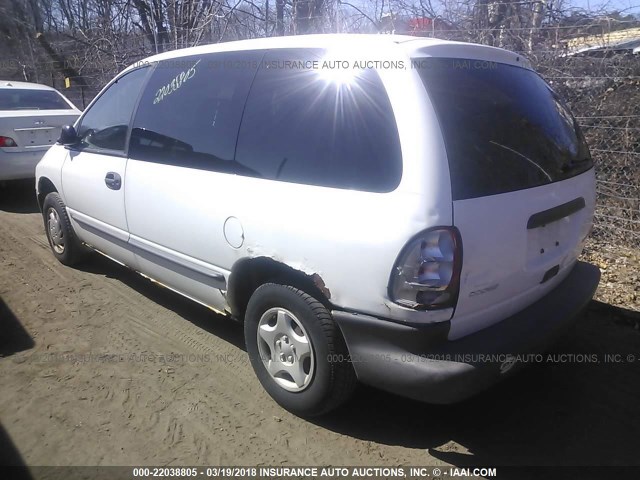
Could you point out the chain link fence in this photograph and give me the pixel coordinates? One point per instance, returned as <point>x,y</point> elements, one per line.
<point>615,149</point>
<point>604,95</point>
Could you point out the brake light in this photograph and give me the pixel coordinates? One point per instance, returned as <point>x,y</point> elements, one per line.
<point>7,142</point>
<point>426,275</point>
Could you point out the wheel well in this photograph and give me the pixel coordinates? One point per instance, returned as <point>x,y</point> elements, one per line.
<point>248,274</point>
<point>45,187</point>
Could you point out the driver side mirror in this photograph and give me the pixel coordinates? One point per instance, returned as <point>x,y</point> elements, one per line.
<point>68,135</point>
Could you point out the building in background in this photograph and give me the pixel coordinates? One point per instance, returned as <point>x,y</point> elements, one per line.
<point>616,42</point>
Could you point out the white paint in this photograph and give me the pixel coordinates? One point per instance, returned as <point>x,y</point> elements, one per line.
<point>499,250</point>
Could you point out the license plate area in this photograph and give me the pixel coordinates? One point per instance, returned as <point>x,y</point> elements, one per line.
<point>548,243</point>
<point>552,234</point>
<point>36,137</point>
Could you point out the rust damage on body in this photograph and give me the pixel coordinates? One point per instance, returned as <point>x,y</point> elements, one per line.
<point>318,282</point>
<point>249,273</point>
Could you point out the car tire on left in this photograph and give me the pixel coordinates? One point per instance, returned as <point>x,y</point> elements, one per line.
<point>63,240</point>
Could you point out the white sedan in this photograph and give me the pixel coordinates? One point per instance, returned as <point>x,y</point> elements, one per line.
<point>31,116</point>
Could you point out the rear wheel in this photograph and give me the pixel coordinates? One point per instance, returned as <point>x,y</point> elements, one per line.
<point>297,350</point>
<point>63,241</point>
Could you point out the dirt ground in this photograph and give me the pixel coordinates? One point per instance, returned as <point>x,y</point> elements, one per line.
<point>99,366</point>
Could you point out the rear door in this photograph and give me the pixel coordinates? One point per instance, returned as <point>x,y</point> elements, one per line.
<point>522,184</point>
<point>94,171</point>
<point>180,168</point>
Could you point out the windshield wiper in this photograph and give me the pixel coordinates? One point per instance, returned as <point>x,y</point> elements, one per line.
<point>573,164</point>
<point>520,155</point>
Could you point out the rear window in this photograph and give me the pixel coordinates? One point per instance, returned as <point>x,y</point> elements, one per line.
<point>26,99</point>
<point>504,128</point>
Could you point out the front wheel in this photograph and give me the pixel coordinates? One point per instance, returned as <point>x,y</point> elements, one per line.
<point>63,241</point>
<point>297,350</point>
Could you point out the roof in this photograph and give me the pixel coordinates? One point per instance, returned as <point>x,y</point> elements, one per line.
<point>24,85</point>
<point>345,42</point>
<point>338,40</point>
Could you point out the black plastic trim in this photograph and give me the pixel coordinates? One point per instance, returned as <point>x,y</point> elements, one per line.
<point>137,246</point>
<point>549,274</point>
<point>545,217</point>
<point>421,363</point>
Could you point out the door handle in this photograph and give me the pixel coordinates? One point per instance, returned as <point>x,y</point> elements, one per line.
<point>113,180</point>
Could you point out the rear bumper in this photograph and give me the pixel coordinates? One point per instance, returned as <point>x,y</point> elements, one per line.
<point>22,164</point>
<point>420,363</point>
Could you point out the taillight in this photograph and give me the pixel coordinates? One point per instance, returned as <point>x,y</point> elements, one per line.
<point>426,275</point>
<point>7,142</point>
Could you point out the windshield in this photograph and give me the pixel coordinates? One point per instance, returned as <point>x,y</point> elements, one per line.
<point>28,99</point>
<point>503,126</point>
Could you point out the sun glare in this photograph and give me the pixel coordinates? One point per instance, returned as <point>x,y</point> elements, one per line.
<point>338,68</point>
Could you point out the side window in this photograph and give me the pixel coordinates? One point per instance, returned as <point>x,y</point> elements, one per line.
<point>105,124</point>
<point>190,112</point>
<point>309,124</point>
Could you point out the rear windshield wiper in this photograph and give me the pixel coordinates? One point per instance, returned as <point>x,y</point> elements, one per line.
<point>573,164</point>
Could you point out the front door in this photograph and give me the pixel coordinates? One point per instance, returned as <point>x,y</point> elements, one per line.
<point>93,175</point>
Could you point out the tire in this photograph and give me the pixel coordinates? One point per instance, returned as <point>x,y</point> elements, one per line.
<point>324,377</point>
<point>62,239</point>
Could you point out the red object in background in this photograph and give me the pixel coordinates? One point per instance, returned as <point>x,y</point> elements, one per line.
<point>426,25</point>
<point>423,23</point>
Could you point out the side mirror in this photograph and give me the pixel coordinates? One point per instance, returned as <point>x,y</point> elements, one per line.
<point>68,135</point>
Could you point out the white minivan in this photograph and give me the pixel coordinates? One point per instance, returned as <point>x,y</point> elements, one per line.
<point>399,211</point>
